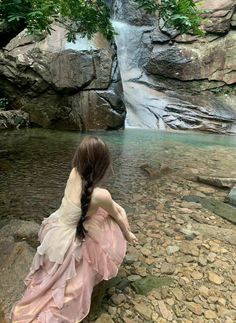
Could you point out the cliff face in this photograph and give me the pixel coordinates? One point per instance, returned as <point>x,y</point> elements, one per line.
<point>185,82</point>
<point>170,81</point>
<point>63,85</point>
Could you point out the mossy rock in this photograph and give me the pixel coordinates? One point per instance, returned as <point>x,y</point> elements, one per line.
<point>144,285</point>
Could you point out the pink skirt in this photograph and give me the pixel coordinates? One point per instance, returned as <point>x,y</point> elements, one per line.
<point>61,293</point>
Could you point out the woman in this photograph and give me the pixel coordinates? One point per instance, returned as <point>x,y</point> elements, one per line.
<point>81,244</point>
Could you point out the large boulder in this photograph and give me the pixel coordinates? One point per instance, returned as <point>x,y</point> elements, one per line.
<point>13,119</point>
<point>219,15</point>
<point>201,60</point>
<point>44,76</point>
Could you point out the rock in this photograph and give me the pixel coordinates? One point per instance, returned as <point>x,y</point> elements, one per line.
<point>178,293</point>
<point>204,291</point>
<point>232,196</point>
<point>128,11</point>
<point>211,257</point>
<point>21,230</point>
<point>209,314</point>
<point>195,61</point>
<point>144,285</point>
<point>202,261</point>
<point>189,249</point>
<point>226,235</point>
<point>195,308</point>
<point>143,310</point>
<point>118,298</point>
<point>219,15</point>
<point>197,275</point>
<point>13,119</point>
<point>57,95</point>
<point>15,261</point>
<point>155,171</point>
<point>214,278</point>
<point>104,318</point>
<point>172,250</point>
<point>167,269</point>
<point>164,311</point>
<point>233,300</point>
<point>222,182</point>
<point>225,211</point>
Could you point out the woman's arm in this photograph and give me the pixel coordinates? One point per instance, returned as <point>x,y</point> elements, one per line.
<point>104,200</point>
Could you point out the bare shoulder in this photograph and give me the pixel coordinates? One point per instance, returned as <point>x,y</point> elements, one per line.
<point>101,195</point>
<point>73,173</point>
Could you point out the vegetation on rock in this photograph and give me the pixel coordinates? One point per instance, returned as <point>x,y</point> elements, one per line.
<point>91,16</point>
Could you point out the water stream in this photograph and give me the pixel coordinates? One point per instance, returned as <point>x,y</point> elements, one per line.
<point>35,163</point>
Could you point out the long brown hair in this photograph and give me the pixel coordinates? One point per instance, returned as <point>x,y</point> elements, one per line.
<point>92,160</point>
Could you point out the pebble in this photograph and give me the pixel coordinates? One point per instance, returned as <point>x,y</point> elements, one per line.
<point>209,314</point>
<point>143,310</point>
<point>197,275</point>
<point>164,311</point>
<point>167,269</point>
<point>195,308</point>
<point>214,278</point>
<point>118,299</point>
<point>172,249</point>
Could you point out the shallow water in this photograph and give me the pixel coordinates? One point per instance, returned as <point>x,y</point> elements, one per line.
<point>35,163</point>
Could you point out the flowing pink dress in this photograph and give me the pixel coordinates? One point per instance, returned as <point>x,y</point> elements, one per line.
<point>65,270</point>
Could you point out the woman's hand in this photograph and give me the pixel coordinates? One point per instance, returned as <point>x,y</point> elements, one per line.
<point>130,237</point>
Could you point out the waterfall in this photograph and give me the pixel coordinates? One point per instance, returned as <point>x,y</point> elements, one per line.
<point>144,104</point>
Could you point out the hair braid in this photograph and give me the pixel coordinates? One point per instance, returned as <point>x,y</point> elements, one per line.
<point>87,190</point>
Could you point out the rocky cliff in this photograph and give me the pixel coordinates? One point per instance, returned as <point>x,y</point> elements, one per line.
<point>61,84</point>
<point>170,81</point>
<point>174,81</point>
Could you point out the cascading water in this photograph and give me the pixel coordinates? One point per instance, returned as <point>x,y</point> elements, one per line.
<point>141,100</point>
<point>161,100</point>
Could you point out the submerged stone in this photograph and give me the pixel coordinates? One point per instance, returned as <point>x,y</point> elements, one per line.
<point>232,196</point>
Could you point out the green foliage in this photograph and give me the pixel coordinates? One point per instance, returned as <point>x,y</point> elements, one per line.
<point>182,15</point>
<point>91,16</point>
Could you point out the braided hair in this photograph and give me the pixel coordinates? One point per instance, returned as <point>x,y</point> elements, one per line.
<point>92,160</point>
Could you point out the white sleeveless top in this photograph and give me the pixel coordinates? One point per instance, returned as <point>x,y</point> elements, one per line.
<point>58,231</point>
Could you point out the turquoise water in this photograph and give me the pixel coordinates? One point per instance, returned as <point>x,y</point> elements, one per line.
<point>35,163</point>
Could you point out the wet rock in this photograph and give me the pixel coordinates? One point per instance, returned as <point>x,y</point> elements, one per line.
<point>226,235</point>
<point>225,211</point>
<point>15,261</point>
<point>13,119</point>
<point>21,230</point>
<point>232,196</point>
<point>155,172</point>
<point>222,182</point>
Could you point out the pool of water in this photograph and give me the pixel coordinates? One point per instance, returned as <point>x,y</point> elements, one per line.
<point>35,163</point>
